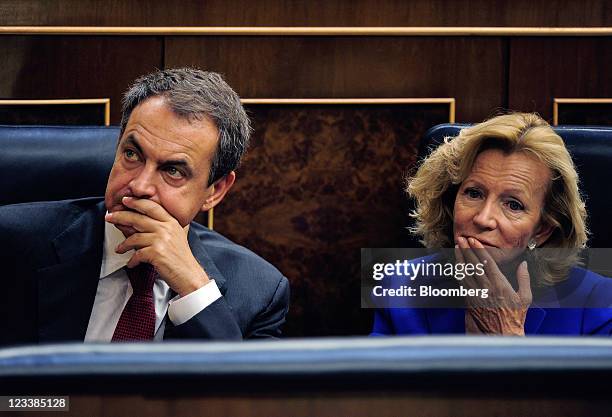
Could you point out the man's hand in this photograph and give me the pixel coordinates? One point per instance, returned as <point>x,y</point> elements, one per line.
<point>160,241</point>
<point>505,310</point>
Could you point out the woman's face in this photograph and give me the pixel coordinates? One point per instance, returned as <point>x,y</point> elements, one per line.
<point>500,203</point>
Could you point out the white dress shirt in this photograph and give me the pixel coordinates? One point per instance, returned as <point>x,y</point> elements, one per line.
<point>114,291</point>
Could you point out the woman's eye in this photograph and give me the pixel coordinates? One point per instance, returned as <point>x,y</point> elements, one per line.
<point>472,193</point>
<point>515,205</point>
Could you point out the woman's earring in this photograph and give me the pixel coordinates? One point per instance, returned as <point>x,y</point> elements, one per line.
<point>532,244</point>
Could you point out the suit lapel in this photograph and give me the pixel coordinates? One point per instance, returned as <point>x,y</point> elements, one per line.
<point>66,290</point>
<point>200,253</point>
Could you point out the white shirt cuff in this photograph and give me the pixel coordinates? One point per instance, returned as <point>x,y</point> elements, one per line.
<point>182,309</point>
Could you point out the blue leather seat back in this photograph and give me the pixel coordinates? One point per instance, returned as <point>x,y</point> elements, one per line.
<point>591,150</point>
<point>41,163</point>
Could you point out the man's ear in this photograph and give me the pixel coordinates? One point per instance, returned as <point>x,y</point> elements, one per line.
<point>219,189</point>
<point>543,232</point>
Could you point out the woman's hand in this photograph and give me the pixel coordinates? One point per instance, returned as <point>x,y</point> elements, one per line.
<point>504,311</point>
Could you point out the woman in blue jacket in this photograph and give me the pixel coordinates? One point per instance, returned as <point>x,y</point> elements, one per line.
<point>504,193</point>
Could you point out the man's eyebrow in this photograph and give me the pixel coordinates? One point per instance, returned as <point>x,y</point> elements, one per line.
<point>177,163</point>
<point>131,140</point>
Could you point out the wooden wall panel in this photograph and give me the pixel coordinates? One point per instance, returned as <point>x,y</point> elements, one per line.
<point>37,67</point>
<point>570,13</point>
<point>472,70</point>
<point>544,68</point>
<point>319,183</point>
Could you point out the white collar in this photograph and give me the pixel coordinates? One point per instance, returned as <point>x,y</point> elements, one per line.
<point>111,260</point>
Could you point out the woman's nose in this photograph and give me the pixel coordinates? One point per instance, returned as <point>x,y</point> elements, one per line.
<point>485,217</point>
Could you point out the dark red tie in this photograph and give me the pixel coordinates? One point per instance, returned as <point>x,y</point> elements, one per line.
<point>137,321</point>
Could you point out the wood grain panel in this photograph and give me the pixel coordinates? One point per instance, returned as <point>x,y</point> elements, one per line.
<point>307,13</point>
<point>319,183</point>
<point>544,68</point>
<point>39,67</point>
<point>470,69</point>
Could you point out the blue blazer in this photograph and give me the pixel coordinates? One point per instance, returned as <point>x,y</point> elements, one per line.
<point>51,253</point>
<point>546,316</point>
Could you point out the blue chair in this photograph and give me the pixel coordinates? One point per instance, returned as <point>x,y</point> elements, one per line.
<point>46,163</point>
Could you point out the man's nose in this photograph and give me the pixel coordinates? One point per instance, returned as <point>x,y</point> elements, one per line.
<point>486,216</point>
<point>143,184</point>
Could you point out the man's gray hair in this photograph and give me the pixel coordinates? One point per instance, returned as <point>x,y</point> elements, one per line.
<point>196,94</point>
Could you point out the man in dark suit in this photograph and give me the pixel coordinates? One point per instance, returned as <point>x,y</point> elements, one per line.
<point>134,266</point>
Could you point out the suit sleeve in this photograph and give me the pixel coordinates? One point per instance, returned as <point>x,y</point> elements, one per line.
<point>215,322</point>
<point>18,308</point>
<point>382,323</point>
<point>268,323</point>
<point>598,320</point>
<point>218,322</point>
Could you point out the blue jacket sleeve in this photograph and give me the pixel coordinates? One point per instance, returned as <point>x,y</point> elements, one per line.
<point>598,321</point>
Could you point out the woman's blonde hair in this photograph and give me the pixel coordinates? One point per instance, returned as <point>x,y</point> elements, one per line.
<point>436,182</point>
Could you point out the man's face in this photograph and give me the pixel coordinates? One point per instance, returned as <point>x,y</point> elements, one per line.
<point>164,158</point>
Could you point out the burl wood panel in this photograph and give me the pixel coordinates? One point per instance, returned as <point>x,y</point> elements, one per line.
<point>544,68</point>
<point>318,183</point>
<point>307,13</point>
<point>37,67</point>
<point>71,114</point>
<point>599,114</point>
<point>472,70</point>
